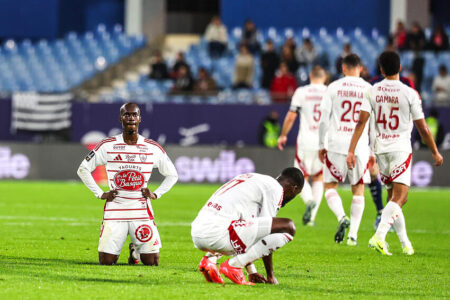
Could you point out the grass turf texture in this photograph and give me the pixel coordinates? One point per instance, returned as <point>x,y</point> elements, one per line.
<point>49,234</point>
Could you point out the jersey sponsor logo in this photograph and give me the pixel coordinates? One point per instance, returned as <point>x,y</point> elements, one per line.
<point>119,147</point>
<point>131,157</point>
<point>118,158</point>
<point>90,156</point>
<point>129,180</point>
<point>144,233</point>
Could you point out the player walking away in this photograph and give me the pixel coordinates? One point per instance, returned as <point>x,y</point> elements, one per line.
<point>395,107</point>
<point>239,220</point>
<point>340,109</point>
<point>306,101</point>
<point>129,159</point>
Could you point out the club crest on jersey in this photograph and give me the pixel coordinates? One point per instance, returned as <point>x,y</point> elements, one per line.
<point>90,156</point>
<point>142,157</point>
<point>144,233</point>
<point>129,180</point>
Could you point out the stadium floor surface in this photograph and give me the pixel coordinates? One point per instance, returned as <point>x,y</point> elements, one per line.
<point>49,233</point>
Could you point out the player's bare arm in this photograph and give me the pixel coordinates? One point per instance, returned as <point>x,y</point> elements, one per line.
<point>268,264</point>
<point>363,117</point>
<point>426,135</point>
<point>287,126</point>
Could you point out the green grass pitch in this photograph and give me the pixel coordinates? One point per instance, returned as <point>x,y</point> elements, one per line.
<point>49,234</point>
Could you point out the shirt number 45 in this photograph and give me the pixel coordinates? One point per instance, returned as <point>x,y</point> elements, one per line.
<point>393,118</point>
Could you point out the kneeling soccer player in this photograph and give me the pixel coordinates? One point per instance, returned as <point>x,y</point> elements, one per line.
<point>239,220</point>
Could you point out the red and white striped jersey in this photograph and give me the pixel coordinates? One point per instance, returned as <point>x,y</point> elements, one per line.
<point>394,106</point>
<point>244,197</point>
<point>306,100</point>
<point>129,168</point>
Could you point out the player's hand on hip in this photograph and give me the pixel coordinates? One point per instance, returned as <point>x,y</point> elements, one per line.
<point>322,153</point>
<point>272,280</point>
<point>438,159</point>
<point>109,196</point>
<point>351,160</point>
<point>257,278</point>
<point>148,194</point>
<point>282,142</point>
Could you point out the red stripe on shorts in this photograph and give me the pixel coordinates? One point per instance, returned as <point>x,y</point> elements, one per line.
<point>236,242</point>
<point>333,170</point>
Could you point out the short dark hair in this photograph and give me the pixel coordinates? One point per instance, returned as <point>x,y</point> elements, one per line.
<point>389,61</point>
<point>294,175</point>
<point>352,60</point>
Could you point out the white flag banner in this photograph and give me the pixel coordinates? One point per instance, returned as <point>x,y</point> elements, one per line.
<point>41,112</point>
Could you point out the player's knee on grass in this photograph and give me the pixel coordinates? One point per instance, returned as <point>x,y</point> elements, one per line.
<point>107,259</point>
<point>150,259</point>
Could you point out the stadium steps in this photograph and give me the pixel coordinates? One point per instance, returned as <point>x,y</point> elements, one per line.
<point>128,68</point>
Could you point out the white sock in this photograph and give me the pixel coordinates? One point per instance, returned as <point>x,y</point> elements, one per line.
<point>306,193</point>
<point>213,257</point>
<point>263,247</point>
<point>391,212</point>
<point>400,229</point>
<point>136,255</point>
<point>335,203</point>
<point>317,191</point>
<point>356,212</point>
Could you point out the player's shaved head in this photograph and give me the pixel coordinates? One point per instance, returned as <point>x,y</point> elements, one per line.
<point>352,61</point>
<point>389,62</point>
<point>129,106</point>
<point>292,181</point>
<point>317,72</point>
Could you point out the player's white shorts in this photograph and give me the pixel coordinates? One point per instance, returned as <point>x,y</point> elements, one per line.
<point>395,167</point>
<point>234,236</point>
<point>308,162</point>
<point>143,234</point>
<point>336,170</point>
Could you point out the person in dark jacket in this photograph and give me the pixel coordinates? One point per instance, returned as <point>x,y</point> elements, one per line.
<point>270,61</point>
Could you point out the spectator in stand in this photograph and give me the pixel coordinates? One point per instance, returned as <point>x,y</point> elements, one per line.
<point>205,84</point>
<point>183,82</point>
<point>288,57</point>
<point>217,37</point>
<point>283,84</point>
<point>158,67</point>
<point>250,37</point>
<point>400,36</point>
<point>439,39</point>
<point>417,67</point>
<point>306,54</point>
<point>346,50</point>
<point>180,61</point>
<point>416,38</point>
<point>290,42</point>
<point>243,72</point>
<point>441,86</point>
<point>269,64</point>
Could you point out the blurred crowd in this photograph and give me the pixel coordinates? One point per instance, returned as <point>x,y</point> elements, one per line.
<point>279,65</point>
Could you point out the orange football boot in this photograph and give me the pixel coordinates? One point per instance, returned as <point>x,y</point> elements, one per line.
<point>234,274</point>
<point>209,270</point>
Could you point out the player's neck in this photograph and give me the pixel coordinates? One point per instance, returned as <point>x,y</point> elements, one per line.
<point>130,137</point>
<point>393,77</point>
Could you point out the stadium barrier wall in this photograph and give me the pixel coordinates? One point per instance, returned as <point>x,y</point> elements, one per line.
<point>27,161</point>
<point>183,124</point>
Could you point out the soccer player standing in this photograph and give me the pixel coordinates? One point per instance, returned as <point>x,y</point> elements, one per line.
<point>130,159</point>
<point>306,101</point>
<point>395,107</point>
<point>340,109</point>
<point>239,220</point>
